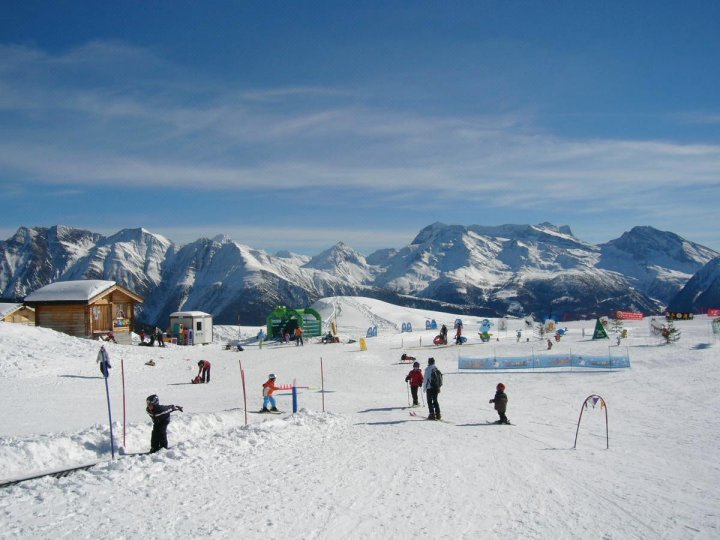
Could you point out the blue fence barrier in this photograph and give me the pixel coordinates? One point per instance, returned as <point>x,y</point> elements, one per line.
<point>549,361</point>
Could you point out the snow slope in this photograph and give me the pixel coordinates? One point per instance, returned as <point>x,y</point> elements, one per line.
<point>364,468</point>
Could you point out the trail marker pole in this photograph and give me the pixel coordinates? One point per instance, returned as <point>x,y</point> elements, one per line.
<point>122,373</point>
<point>294,397</point>
<point>242,380</point>
<point>104,361</point>
<point>322,384</point>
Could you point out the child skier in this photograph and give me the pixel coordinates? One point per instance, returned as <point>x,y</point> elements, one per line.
<point>500,400</point>
<point>160,415</point>
<point>268,389</point>
<point>204,371</point>
<point>415,378</point>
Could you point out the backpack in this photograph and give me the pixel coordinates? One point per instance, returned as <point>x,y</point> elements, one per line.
<point>436,379</point>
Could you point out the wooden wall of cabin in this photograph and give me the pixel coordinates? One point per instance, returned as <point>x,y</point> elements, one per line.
<point>68,318</point>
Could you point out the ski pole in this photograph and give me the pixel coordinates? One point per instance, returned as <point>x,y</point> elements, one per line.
<point>422,395</point>
<point>407,385</point>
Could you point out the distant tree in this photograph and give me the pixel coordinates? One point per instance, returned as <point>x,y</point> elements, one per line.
<point>616,326</point>
<point>669,333</point>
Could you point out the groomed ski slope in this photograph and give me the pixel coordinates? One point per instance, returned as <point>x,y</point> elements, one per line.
<point>365,468</point>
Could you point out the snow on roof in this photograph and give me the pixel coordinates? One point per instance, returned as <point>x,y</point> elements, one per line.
<point>190,314</point>
<point>69,290</point>
<point>6,308</point>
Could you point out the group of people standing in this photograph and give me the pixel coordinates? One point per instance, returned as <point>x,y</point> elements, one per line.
<point>431,382</point>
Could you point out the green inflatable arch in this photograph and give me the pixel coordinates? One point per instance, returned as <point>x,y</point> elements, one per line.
<point>282,319</point>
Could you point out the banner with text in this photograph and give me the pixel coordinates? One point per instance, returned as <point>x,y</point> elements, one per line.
<point>542,362</point>
<point>714,312</point>
<point>633,315</point>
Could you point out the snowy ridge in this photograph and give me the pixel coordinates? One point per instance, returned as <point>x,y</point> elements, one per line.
<point>491,271</point>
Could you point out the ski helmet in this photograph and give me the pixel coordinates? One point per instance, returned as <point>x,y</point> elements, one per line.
<point>416,364</point>
<point>500,387</point>
<point>431,360</point>
<point>152,399</point>
<point>271,376</point>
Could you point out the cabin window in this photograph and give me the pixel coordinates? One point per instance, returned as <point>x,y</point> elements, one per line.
<point>198,326</point>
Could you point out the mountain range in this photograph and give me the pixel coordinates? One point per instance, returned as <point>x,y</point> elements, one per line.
<point>518,270</point>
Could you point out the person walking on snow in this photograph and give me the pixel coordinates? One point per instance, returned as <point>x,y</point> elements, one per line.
<point>415,378</point>
<point>298,336</point>
<point>432,383</point>
<point>458,334</point>
<point>204,371</point>
<point>500,400</point>
<point>268,389</point>
<point>160,415</point>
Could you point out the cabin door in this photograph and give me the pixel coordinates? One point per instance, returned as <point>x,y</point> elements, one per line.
<point>101,318</point>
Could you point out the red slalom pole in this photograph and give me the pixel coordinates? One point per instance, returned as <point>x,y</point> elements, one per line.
<point>122,372</point>
<point>322,384</point>
<point>242,378</point>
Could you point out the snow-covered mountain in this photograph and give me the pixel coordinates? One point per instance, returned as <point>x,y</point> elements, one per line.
<point>701,292</point>
<point>541,270</point>
<point>655,262</point>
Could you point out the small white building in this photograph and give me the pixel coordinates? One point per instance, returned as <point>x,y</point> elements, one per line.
<point>191,327</point>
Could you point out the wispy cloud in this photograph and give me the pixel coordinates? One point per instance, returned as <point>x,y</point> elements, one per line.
<point>77,119</point>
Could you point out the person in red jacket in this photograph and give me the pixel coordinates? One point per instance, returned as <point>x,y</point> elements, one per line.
<point>268,389</point>
<point>415,378</point>
<point>204,371</point>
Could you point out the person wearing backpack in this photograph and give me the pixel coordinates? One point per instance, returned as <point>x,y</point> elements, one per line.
<point>433,382</point>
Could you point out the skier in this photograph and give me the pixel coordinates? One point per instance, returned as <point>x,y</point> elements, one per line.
<point>204,371</point>
<point>160,415</point>
<point>500,400</point>
<point>458,334</point>
<point>432,385</point>
<point>518,336</point>
<point>298,336</point>
<point>268,389</point>
<point>415,378</point>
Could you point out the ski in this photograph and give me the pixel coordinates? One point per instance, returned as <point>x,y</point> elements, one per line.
<point>498,423</point>
<point>416,415</point>
<point>267,412</point>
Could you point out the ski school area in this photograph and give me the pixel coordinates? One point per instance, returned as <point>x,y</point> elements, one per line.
<point>624,449</point>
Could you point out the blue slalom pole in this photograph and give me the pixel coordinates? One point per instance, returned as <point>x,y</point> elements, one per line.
<point>104,360</point>
<point>294,397</point>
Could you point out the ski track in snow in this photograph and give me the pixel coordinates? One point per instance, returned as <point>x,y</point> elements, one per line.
<point>366,469</point>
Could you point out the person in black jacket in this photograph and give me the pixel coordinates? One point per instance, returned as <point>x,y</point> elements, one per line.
<point>160,415</point>
<point>432,383</point>
<point>500,400</point>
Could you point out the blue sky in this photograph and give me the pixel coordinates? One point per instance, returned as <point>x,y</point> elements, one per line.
<point>295,125</point>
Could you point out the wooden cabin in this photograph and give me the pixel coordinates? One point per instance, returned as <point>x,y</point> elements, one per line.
<point>86,308</point>
<point>17,313</point>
